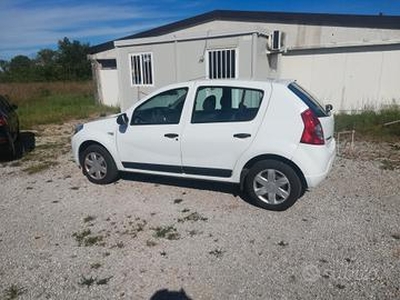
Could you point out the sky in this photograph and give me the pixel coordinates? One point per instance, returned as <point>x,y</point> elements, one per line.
<point>27,26</point>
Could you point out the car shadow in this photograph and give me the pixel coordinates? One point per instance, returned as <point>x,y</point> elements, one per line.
<point>25,144</point>
<point>28,141</point>
<point>166,294</point>
<point>223,187</point>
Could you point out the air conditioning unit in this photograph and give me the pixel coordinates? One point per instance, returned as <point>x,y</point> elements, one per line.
<point>275,41</point>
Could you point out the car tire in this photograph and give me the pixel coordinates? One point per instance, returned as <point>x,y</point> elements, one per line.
<point>98,165</point>
<point>273,185</point>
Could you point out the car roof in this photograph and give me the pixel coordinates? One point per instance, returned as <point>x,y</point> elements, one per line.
<point>235,82</point>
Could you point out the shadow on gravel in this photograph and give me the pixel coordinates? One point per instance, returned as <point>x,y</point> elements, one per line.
<point>170,295</point>
<point>222,187</point>
<point>228,188</point>
<point>26,143</point>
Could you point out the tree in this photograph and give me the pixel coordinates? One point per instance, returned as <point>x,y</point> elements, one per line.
<point>68,62</point>
<point>73,61</point>
<point>47,68</point>
<point>20,68</point>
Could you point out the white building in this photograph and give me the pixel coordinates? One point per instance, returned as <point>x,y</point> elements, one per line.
<point>350,61</point>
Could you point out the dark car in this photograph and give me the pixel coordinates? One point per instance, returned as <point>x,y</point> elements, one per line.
<point>9,129</point>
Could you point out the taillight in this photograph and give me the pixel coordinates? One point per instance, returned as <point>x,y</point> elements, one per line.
<point>312,133</point>
<point>3,121</point>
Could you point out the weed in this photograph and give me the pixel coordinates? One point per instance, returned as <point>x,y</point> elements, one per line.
<point>87,281</point>
<point>194,217</point>
<point>194,232</point>
<point>93,240</point>
<point>283,243</point>
<point>95,265</point>
<point>371,123</point>
<point>103,281</point>
<point>13,292</point>
<point>217,253</point>
<point>39,167</point>
<point>80,236</point>
<point>389,165</point>
<point>88,219</point>
<point>167,232</point>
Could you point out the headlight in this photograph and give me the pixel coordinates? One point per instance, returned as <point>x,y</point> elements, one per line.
<point>78,128</point>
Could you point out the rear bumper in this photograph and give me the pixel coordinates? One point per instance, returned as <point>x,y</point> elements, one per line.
<point>315,161</point>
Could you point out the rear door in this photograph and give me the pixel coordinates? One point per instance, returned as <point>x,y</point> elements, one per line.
<point>222,126</point>
<point>326,118</point>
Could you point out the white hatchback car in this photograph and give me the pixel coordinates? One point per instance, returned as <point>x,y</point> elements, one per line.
<point>271,137</point>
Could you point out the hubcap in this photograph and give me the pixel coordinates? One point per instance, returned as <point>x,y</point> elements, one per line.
<point>271,186</point>
<point>95,165</point>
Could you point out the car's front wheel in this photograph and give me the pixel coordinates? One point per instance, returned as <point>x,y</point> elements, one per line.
<point>98,165</point>
<point>273,185</point>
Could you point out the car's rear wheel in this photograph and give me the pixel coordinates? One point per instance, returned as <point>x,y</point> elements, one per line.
<point>273,185</point>
<point>98,165</point>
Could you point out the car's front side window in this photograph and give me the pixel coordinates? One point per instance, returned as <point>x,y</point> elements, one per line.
<point>164,108</point>
<point>226,104</point>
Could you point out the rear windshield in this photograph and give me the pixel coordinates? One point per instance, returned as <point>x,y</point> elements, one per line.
<point>308,99</point>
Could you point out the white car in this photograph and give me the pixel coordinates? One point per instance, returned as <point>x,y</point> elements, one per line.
<point>271,137</point>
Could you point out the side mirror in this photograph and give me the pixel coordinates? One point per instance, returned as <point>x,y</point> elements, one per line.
<point>122,119</point>
<point>328,108</point>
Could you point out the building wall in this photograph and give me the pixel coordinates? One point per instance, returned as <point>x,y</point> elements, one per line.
<point>109,87</point>
<point>350,80</point>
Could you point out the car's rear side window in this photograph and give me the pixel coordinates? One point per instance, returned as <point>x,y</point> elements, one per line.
<point>226,104</point>
<point>308,99</point>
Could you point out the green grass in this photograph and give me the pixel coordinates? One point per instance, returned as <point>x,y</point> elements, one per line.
<point>370,124</point>
<point>57,109</point>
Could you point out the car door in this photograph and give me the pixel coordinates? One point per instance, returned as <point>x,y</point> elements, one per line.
<point>223,125</point>
<point>151,141</point>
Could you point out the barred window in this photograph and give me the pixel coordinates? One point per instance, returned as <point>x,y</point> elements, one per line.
<point>221,64</point>
<point>142,69</point>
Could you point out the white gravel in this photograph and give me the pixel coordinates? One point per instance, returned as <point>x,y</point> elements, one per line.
<point>340,241</point>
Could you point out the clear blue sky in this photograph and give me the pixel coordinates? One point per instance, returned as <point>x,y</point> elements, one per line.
<point>27,26</point>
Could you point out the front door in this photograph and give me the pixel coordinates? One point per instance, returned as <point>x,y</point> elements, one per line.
<point>152,139</point>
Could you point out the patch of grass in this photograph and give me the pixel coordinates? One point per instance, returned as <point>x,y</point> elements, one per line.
<point>370,124</point>
<point>103,281</point>
<point>84,238</point>
<point>87,281</point>
<point>13,292</point>
<point>218,253</point>
<point>166,232</point>
<point>95,265</point>
<point>57,109</point>
<point>80,236</point>
<point>194,217</point>
<point>40,167</point>
<point>92,240</point>
<point>388,165</point>
<point>88,219</point>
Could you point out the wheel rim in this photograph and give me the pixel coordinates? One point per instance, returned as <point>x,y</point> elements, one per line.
<point>271,186</point>
<point>95,165</point>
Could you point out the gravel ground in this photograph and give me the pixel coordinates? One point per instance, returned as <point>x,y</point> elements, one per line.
<point>62,237</point>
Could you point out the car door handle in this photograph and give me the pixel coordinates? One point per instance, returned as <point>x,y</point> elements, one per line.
<point>242,135</point>
<point>171,135</point>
